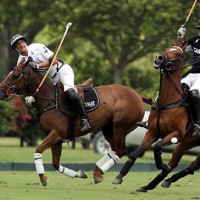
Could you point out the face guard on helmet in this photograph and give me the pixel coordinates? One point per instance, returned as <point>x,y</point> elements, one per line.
<point>15,38</point>
<point>198,25</point>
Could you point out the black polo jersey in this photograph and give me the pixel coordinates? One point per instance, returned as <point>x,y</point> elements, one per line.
<point>194,41</point>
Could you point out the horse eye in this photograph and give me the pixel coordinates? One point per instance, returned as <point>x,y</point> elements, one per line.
<point>16,73</point>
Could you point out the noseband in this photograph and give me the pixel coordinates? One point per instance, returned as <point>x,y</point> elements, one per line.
<point>163,61</point>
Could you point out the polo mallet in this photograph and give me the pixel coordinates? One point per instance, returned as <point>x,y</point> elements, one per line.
<point>65,33</point>
<point>190,13</point>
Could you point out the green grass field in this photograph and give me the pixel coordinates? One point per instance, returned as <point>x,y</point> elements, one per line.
<point>11,152</point>
<point>24,185</point>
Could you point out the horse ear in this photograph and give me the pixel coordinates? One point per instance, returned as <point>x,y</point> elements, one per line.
<point>25,63</point>
<point>21,61</point>
<point>30,59</point>
<point>179,42</point>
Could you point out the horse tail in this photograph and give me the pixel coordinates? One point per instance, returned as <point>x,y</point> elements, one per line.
<point>147,100</point>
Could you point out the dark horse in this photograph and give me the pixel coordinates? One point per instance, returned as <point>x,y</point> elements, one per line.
<point>119,109</point>
<point>168,117</point>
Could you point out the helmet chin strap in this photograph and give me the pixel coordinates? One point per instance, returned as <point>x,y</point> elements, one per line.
<point>17,50</point>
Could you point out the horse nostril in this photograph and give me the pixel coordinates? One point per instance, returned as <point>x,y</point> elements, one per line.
<point>159,61</point>
<point>160,58</point>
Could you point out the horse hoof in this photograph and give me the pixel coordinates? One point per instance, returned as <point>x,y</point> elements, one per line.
<point>98,179</point>
<point>166,184</point>
<point>81,174</point>
<point>141,190</point>
<point>44,181</point>
<point>117,181</point>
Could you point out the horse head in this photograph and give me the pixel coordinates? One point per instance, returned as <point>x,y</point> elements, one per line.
<point>16,81</point>
<point>171,59</point>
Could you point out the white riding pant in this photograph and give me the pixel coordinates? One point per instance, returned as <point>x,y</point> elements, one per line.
<point>65,75</point>
<point>193,81</point>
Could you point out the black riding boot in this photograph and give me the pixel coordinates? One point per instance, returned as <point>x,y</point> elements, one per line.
<point>77,104</point>
<point>195,108</point>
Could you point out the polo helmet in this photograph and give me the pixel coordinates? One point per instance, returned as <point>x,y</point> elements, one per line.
<point>15,38</point>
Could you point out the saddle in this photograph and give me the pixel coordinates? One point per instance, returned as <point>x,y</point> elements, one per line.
<point>87,93</point>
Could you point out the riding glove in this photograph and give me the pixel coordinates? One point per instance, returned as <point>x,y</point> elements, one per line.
<point>181,31</point>
<point>29,100</point>
<point>33,65</point>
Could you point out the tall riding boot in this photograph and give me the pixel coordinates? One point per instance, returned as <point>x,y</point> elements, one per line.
<point>195,108</point>
<point>77,104</point>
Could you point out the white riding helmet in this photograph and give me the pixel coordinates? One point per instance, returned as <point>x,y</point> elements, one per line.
<point>15,38</point>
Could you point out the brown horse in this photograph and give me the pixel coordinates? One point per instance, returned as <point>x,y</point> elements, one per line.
<point>119,109</point>
<point>168,117</point>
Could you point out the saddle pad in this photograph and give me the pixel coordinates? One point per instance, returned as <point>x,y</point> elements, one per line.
<point>91,99</point>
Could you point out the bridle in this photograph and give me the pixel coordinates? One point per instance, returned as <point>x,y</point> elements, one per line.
<point>12,90</point>
<point>167,65</point>
<point>164,62</point>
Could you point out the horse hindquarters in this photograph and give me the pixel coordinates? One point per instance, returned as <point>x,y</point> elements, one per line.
<point>124,108</point>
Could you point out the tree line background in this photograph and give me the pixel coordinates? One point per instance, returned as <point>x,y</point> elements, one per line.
<point>110,41</point>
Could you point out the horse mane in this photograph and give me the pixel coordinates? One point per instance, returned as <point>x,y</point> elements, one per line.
<point>179,42</point>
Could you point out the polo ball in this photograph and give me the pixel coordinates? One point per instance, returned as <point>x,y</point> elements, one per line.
<point>174,140</point>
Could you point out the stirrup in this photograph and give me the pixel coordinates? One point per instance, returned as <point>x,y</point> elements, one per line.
<point>84,125</point>
<point>196,130</point>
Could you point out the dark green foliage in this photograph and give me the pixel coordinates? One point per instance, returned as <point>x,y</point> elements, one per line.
<point>108,41</point>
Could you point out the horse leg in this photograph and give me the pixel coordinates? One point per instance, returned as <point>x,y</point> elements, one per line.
<point>52,138</point>
<point>166,183</point>
<point>56,150</point>
<point>146,143</point>
<point>155,181</point>
<point>104,164</point>
<point>157,149</point>
<point>189,170</point>
<point>177,153</point>
<point>108,160</point>
<point>166,169</point>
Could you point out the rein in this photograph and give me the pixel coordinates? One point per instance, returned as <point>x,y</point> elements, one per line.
<point>167,67</point>
<point>12,91</point>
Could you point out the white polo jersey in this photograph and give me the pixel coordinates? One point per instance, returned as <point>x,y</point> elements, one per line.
<point>59,72</point>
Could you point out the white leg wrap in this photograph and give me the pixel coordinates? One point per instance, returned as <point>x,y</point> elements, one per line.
<point>38,163</point>
<point>102,160</point>
<point>113,160</point>
<point>107,161</point>
<point>67,172</point>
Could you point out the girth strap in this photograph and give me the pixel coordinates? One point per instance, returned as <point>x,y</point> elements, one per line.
<point>179,103</point>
